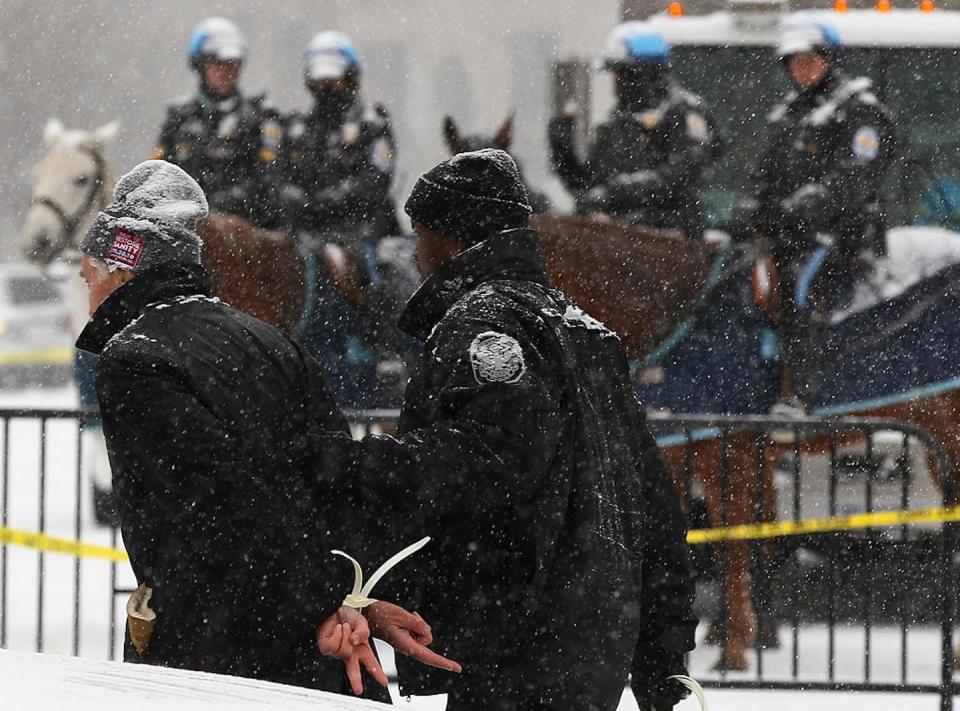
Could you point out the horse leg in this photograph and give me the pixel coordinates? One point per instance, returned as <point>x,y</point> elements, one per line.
<point>734,497</point>
<point>766,564</point>
<point>740,495</point>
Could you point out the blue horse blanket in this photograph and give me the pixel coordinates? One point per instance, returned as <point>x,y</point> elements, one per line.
<point>895,338</point>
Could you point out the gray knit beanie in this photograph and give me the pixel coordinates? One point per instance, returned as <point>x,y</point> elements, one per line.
<point>152,221</point>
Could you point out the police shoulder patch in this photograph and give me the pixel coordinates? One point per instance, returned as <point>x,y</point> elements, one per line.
<point>697,127</point>
<point>496,358</point>
<point>866,143</point>
<point>382,155</point>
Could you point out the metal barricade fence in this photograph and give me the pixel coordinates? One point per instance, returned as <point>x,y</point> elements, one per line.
<point>869,598</point>
<point>850,546</point>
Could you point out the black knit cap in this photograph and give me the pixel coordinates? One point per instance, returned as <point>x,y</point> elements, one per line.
<point>471,196</point>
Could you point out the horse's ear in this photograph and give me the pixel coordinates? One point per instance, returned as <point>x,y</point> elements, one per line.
<point>52,132</point>
<point>504,136</point>
<point>451,134</point>
<point>103,136</point>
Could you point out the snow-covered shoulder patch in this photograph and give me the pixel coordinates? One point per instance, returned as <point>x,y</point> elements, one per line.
<point>44,682</point>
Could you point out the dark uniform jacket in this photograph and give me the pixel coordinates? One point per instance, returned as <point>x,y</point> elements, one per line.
<point>337,171</point>
<point>207,412</point>
<point>229,147</point>
<point>823,165</point>
<point>646,164</point>
<point>558,537</point>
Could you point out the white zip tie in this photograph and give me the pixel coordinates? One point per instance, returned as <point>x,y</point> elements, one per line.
<point>694,688</point>
<point>359,597</point>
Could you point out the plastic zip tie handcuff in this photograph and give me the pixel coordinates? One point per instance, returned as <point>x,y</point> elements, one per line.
<point>359,597</point>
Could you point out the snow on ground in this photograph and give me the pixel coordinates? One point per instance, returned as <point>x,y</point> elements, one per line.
<point>110,685</point>
<point>51,683</point>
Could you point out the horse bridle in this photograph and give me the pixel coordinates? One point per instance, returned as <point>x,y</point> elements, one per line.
<point>70,223</point>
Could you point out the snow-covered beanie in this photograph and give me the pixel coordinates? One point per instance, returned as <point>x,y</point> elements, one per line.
<point>152,221</point>
<point>471,196</point>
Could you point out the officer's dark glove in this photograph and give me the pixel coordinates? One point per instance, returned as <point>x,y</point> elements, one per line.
<point>560,131</point>
<point>232,200</point>
<point>745,222</point>
<point>640,188</point>
<point>596,199</point>
<point>654,691</point>
<point>809,207</point>
<point>664,697</point>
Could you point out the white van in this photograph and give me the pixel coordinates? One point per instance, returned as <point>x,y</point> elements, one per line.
<point>36,348</point>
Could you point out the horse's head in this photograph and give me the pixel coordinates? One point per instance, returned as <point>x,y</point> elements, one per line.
<point>460,143</point>
<point>71,184</point>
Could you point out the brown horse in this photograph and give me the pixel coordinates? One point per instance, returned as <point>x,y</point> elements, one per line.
<point>257,271</point>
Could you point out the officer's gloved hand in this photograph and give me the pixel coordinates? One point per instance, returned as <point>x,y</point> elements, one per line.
<point>637,188</point>
<point>596,199</point>
<point>810,206</point>
<point>232,200</point>
<point>560,130</point>
<point>745,221</point>
<point>665,696</point>
<point>650,682</point>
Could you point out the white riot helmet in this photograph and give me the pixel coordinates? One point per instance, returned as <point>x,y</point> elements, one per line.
<point>331,55</point>
<point>218,39</point>
<point>633,43</point>
<point>803,33</point>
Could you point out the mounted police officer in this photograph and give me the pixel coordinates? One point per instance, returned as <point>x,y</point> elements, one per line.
<point>337,163</point>
<point>818,191</point>
<point>648,159</point>
<point>338,157</point>
<point>226,141</point>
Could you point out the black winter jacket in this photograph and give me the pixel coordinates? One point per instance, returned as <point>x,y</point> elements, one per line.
<point>558,537</point>
<point>230,148</point>
<point>336,173</point>
<point>207,412</point>
<point>647,163</point>
<point>823,165</point>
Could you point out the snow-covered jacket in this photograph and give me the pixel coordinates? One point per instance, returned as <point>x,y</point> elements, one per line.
<point>207,412</point>
<point>558,536</point>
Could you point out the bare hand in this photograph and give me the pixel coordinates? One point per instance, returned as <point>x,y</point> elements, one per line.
<point>345,635</point>
<point>408,633</point>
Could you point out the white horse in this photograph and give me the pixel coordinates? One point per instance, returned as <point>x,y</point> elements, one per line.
<point>71,184</point>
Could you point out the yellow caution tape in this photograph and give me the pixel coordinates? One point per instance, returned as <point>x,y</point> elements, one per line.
<point>42,356</point>
<point>749,532</point>
<point>779,529</point>
<point>52,544</point>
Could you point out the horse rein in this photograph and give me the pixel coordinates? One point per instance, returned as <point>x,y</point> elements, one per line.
<point>70,223</point>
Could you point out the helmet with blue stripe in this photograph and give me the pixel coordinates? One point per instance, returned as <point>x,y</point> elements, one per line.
<point>217,39</point>
<point>632,43</point>
<point>804,32</point>
<point>331,55</point>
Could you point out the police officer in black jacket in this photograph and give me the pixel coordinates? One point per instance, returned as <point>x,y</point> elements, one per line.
<point>338,157</point>
<point>818,185</point>
<point>226,141</point>
<point>647,163</point>
<point>559,539</point>
<point>210,418</point>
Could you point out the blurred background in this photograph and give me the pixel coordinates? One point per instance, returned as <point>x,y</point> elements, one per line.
<point>93,61</point>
